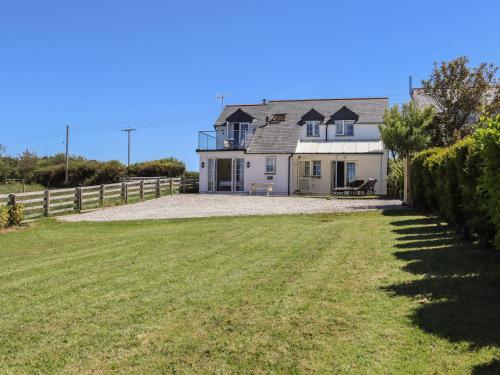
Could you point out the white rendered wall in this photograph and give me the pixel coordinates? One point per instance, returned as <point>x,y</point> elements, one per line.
<point>361,132</point>
<point>255,173</point>
<point>367,166</point>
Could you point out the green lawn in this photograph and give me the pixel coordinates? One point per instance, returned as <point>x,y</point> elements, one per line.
<point>18,188</point>
<point>362,293</point>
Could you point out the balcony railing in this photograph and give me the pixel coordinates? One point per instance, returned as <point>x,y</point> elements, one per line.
<point>221,140</point>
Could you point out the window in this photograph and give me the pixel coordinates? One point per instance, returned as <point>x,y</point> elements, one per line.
<point>278,117</point>
<point>350,172</point>
<point>316,168</point>
<point>270,164</point>
<point>344,127</point>
<point>312,128</point>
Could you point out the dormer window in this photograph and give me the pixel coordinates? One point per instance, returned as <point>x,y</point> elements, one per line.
<point>312,128</point>
<point>344,127</point>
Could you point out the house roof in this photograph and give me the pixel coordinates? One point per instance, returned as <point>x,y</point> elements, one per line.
<point>342,147</point>
<point>343,113</point>
<point>282,137</point>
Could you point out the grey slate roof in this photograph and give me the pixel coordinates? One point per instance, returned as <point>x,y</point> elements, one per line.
<point>282,137</point>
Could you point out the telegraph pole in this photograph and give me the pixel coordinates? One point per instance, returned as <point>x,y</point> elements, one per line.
<point>128,130</point>
<point>66,174</point>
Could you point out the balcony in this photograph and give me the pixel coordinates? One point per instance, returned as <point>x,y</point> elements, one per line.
<point>221,140</point>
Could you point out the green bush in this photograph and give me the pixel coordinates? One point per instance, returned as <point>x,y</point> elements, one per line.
<point>16,214</point>
<point>169,167</point>
<point>488,140</point>
<point>109,173</point>
<point>4,217</point>
<point>457,183</point>
<point>395,178</point>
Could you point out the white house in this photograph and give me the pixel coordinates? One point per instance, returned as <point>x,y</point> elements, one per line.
<point>305,146</point>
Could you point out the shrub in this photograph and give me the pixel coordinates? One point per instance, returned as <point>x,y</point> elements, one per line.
<point>395,178</point>
<point>488,139</point>
<point>109,173</point>
<point>458,183</point>
<point>4,217</point>
<point>16,214</point>
<point>169,167</point>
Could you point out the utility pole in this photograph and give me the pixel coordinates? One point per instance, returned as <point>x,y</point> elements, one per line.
<point>410,86</point>
<point>66,174</point>
<point>128,130</point>
<point>221,97</point>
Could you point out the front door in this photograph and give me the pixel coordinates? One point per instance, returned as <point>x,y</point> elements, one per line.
<point>340,174</point>
<point>304,174</point>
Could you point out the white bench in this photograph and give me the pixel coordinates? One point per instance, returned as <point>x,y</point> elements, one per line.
<point>254,186</point>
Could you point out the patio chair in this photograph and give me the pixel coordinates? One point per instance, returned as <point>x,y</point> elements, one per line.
<point>371,189</point>
<point>361,189</point>
<point>351,188</point>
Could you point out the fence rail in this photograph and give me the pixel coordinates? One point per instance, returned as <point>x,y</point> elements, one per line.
<point>60,201</point>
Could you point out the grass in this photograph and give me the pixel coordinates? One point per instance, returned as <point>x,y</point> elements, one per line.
<point>18,188</point>
<point>361,293</point>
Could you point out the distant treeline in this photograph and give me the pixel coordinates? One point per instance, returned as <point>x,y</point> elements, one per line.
<point>50,170</point>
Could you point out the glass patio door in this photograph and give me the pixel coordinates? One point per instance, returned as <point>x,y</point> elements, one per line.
<point>238,175</point>
<point>211,175</point>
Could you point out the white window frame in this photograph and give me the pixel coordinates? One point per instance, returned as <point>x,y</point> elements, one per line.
<point>313,126</point>
<point>344,125</point>
<point>313,169</point>
<point>273,164</point>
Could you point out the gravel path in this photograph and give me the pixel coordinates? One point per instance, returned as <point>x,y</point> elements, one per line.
<point>203,205</point>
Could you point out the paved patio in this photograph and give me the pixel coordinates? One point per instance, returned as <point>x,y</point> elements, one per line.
<point>204,205</point>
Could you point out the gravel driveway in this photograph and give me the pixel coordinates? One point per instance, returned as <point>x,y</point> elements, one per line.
<point>202,205</point>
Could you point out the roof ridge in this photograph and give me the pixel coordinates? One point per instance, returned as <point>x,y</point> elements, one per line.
<point>307,100</point>
<point>324,99</point>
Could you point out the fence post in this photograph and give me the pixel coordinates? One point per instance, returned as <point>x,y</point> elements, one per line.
<point>158,191</point>
<point>123,190</point>
<point>12,199</point>
<point>171,186</point>
<point>182,187</point>
<point>47,203</point>
<point>79,200</point>
<point>101,195</point>
<point>125,193</point>
<point>141,190</point>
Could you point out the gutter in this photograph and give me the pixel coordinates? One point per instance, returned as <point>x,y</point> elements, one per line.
<point>289,158</point>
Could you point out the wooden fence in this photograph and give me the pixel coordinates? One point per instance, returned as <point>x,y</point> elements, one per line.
<point>60,201</point>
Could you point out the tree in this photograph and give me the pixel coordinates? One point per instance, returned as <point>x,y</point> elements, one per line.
<point>458,92</point>
<point>404,131</point>
<point>2,150</point>
<point>27,164</point>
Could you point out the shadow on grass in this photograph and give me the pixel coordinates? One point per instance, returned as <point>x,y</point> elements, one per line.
<point>461,283</point>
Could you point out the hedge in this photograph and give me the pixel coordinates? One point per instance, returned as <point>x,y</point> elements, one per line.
<point>169,167</point>
<point>458,183</point>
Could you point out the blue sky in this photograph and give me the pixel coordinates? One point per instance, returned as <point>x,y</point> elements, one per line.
<point>100,66</point>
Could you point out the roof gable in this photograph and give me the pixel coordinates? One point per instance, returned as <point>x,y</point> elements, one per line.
<point>343,113</point>
<point>239,116</point>
<point>312,115</point>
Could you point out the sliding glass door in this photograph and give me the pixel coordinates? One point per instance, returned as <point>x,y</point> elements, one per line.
<point>238,175</point>
<point>225,175</point>
<point>211,175</point>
